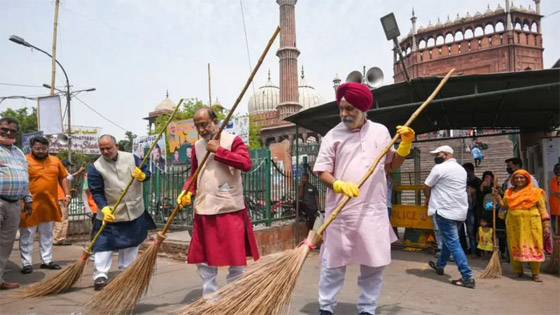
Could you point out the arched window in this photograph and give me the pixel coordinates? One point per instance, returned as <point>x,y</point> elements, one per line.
<point>478,31</point>
<point>422,44</point>
<point>534,27</point>
<point>517,26</point>
<point>408,50</point>
<point>439,40</point>
<point>499,27</point>
<point>459,36</point>
<point>489,29</point>
<point>448,38</point>
<point>469,34</point>
<point>526,28</point>
<point>431,42</point>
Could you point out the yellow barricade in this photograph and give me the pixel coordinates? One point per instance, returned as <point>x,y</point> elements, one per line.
<point>410,216</point>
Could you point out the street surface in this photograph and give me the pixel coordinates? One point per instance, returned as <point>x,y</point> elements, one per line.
<point>410,287</point>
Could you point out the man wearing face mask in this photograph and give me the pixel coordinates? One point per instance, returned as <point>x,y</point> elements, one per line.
<point>128,226</point>
<point>222,231</point>
<point>14,187</point>
<point>45,174</point>
<point>361,234</point>
<point>446,199</point>
<point>512,165</point>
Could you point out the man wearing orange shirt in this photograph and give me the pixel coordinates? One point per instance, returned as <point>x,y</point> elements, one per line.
<point>45,173</point>
<point>554,198</point>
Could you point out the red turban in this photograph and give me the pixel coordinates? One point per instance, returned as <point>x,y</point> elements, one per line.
<point>358,95</point>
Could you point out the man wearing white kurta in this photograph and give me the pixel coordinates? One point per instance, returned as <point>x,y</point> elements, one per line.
<point>361,233</point>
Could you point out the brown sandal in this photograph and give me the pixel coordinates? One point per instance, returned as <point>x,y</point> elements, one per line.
<point>536,278</point>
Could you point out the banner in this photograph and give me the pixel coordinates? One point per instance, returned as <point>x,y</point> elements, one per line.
<point>238,126</point>
<point>141,145</point>
<point>84,140</point>
<point>181,136</point>
<point>49,116</point>
<point>25,145</point>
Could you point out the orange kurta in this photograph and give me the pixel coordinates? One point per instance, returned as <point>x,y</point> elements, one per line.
<point>44,177</point>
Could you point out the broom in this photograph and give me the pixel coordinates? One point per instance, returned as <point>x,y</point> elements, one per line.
<point>121,295</point>
<point>553,265</point>
<point>67,277</point>
<point>267,288</point>
<point>494,268</point>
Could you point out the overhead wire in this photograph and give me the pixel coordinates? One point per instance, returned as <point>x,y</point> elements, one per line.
<point>98,113</point>
<point>247,43</point>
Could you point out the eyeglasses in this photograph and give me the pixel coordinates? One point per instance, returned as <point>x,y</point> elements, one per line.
<point>6,130</point>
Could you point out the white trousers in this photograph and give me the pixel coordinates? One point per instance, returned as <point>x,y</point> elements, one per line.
<point>208,275</point>
<point>369,282</point>
<point>103,260</point>
<point>26,237</point>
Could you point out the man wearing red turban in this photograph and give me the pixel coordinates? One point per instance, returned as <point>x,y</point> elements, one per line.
<point>361,234</point>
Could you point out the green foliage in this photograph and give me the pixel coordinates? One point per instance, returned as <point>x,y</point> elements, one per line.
<point>27,121</point>
<point>254,135</point>
<point>126,144</point>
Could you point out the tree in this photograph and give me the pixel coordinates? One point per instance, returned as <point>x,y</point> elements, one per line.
<point>254,135</point>
<point>27,122</point>
<point>78,159</point>
<point>126,144</point>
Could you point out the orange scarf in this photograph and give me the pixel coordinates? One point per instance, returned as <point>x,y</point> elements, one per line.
<point>526,197</point>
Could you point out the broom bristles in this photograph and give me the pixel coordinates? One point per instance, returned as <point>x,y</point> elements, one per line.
<point>265,288</point>
<point>59,283</point>
<point>494,268</point>
<point>553,265</point>
<point>122,293</point>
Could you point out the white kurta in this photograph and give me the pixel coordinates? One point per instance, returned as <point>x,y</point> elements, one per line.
<point>361,233</point>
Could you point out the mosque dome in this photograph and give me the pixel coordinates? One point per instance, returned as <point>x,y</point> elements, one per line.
<point>468,16</point>
<point>531,10</point>
<point>420,29</point>
<point>448,22</point>
<point>513,7</point>
<point>458,19</point>
<point>165,105</point>
<point>429,27</point>
<point>265,99</point>
<point>477,15</point>
<point>522,9</point>
<point>499,9</point>
<point>488,11</point>
<point>438,24</point>
<point>308,96</point>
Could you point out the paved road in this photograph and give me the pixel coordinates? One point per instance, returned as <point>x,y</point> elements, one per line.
<point>410,287</point>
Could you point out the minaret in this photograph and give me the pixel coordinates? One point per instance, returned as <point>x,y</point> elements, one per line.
<point>538,10</point>
<point>336,82</point>
<point>288,54</point>
<point>413,20</point>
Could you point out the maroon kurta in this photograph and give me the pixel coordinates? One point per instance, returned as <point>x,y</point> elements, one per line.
<point>223,239</point>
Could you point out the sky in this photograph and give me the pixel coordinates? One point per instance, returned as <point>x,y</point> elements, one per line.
<point>134,51</point>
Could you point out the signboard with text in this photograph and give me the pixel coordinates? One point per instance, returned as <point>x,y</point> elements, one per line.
<point>84,140</point>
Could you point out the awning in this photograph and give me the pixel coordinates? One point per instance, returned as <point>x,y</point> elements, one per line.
<point>528,100</point>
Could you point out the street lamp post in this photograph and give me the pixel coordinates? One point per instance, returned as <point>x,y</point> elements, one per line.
<point>21,41</point>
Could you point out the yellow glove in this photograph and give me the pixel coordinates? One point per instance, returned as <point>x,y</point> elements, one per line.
<point>407,136</point>
<point>138,174</point>
<point>348,188</point>
<point>107,215</point>
<point>184,199</point>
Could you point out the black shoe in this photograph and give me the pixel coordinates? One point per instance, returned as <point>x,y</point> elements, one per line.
<point>438,270</point>
<point>364,313</point>
<point>63,243</point>
<point>323,312</point>
<point>99,283</point>
<point>27,269</point>
<point>51,266</point>
<point>467,283</point>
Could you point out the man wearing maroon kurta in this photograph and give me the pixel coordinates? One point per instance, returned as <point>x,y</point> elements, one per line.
<point>222,231</point>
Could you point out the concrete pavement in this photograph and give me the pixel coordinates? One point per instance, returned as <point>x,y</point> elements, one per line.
<point>410,287</point>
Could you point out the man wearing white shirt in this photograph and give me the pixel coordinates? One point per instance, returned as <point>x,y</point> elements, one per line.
<point>446,199</point>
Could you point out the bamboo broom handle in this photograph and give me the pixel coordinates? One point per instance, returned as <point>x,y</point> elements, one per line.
<point>494,202</point>
<point>384,151</point>
<point>144,160</point>
<point>224,123</point>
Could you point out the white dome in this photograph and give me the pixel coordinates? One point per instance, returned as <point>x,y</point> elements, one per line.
<point>166,105</point>
<point>308,97</point>
<point>265,99</point>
